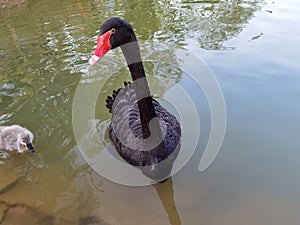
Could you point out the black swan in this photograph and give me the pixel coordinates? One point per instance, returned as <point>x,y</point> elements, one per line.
<point>144,133</point>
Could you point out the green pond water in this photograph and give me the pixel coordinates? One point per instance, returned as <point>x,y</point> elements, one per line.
<point>250,47</point>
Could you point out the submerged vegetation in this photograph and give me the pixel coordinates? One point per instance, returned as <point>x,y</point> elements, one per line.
<point>11,3</point>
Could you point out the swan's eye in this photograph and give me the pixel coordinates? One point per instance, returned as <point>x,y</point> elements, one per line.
<point>112,31</point>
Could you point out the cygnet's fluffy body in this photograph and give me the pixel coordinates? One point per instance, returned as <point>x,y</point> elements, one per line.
<point>15,138</point>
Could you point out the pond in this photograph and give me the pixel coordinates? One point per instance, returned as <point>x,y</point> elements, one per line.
<point>251,48</point>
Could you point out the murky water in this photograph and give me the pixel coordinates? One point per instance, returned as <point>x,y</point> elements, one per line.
<point>250,46</point>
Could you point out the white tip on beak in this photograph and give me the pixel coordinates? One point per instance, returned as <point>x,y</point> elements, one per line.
<point>93,60</point>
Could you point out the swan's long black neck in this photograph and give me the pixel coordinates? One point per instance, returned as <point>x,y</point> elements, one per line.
<point>135,65</point>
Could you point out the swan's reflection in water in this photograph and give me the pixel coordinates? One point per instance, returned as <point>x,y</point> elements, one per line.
<point>166,195</point>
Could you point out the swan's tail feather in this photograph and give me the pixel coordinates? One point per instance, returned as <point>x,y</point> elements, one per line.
<point>110,99</point>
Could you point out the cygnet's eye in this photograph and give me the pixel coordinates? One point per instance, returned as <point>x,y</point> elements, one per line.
<point>23,145</point>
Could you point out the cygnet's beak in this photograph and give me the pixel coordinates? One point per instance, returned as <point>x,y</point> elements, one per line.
<point>30,148</point>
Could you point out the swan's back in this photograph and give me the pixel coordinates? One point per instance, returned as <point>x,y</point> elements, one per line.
<point>126,120</point>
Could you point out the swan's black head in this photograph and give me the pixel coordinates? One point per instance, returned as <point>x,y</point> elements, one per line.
<point>122,32</point>
<point>114,32</point>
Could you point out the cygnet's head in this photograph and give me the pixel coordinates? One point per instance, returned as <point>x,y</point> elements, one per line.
<point>24,141</point>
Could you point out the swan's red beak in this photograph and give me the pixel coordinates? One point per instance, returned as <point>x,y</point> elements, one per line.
<point>103,46</point>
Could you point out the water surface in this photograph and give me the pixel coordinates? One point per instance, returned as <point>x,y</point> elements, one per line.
<point>250,46</point>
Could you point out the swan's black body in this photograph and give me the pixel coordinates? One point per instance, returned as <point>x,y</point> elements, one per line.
<point>157,162</point>
<point>133,108</point>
